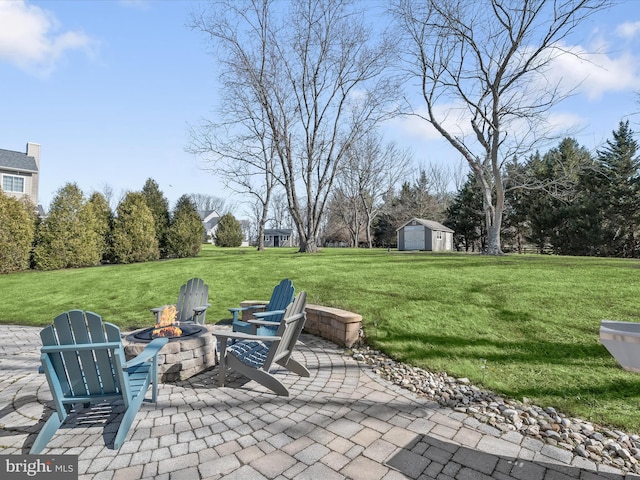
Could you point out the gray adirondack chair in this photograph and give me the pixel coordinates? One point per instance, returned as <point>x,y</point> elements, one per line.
<point>84,362</point>
<point>193,302</point>
<point>254,356</point>
<point>281,297</point>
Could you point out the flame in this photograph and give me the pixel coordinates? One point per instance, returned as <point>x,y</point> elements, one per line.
<point>166,323</point>
<point>167,316</point>
<point>170,331</point>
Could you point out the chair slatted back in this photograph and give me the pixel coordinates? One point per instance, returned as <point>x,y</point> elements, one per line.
<point>86,355</point>
<point>289,330</point>
<point>281,297</point>
<point>194,293</point>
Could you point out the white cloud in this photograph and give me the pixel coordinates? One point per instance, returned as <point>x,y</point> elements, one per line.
<point>453,117</point>
<point>628,30</point>
<point>30,37</point>
<point>564,122</point>
<point>595,74</point>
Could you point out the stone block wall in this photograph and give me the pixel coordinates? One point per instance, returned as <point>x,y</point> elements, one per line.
<point>179,359</point>
<point>334,324</point>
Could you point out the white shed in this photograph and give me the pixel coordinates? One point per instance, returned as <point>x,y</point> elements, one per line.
<point>420,234</point>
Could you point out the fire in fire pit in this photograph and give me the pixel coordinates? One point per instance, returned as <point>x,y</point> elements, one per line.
<point>191,348</point>
<point>187,330</point>
<point>166,325</point>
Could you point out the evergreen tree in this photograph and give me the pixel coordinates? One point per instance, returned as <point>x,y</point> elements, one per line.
<point>67,237</point>
<point>134,233</point>
<point>384,231</point>
<point>465,217</point>
<point>103,223</point>
<point>552,200</point>
<point>619,163</point>
<point>229,232</point>
<point>186,232</point>
<point>159,207</point>
<point>17,228</point>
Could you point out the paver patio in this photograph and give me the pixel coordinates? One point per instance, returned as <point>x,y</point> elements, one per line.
<point>343,422</point>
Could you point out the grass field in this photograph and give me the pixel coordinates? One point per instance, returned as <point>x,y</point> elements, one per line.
<point>533,319</point>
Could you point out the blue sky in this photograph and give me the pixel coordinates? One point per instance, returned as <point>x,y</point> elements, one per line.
<point>109,88</point>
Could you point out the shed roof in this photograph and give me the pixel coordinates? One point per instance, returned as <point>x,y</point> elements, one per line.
<point>278,231</point>
<point>430,224</point>
<point>18,161</point>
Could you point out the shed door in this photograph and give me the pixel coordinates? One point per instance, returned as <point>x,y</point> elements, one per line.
<point>414,237</point>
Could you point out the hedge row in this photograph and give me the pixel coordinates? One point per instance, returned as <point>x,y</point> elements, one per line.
<point>80,231</point>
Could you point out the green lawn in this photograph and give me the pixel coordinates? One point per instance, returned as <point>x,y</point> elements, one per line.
<point>534,319</point>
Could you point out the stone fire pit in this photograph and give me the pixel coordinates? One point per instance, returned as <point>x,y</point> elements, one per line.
<point>183,357</point>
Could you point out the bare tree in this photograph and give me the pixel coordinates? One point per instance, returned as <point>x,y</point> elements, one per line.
<point>482,72</point>
<point>371,172</point>
<point>313,82</point>
<point>239,148</point>
<point>345,212</point>
<point>205,202</point>
<point>280,217</point>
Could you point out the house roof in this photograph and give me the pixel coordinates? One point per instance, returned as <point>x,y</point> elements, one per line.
<point>430,224</point>
<point>17,161</point>
<point>210,218</point>
<point>277,231</point>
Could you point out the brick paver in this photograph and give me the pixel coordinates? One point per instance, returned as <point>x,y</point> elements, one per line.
<point>343,422</point>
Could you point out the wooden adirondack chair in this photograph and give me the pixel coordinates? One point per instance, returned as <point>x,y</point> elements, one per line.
<point>281,297</point>
<point>254,355</point>
<point>84,361</point>
<point>193,302</point>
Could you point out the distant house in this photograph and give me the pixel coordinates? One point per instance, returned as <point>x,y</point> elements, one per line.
<point>19,172</point>
<point>210,219</point>
<point>278,237</point>
<point>419,234</point>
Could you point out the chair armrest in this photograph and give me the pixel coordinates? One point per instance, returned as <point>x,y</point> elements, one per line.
<point>74,347</point>
<point>266,323</point>
<point>148,353</point>
<point>248,307</point>
<point>243,336</point>
<point>157,310</point>
<point>268,313</point>
<point>201,309</point>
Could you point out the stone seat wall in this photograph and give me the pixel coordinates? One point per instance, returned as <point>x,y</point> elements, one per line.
<point>334,324</point>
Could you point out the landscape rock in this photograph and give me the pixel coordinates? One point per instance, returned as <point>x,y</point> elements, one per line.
<point>584,439</point>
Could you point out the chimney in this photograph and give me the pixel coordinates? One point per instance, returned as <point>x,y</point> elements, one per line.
<point>33,150</point>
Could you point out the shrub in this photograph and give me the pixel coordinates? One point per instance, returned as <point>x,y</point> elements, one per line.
<point>134,233</point>
<point>103,218</point>
<point>159,207</point>
<point>17,227</point>
<point>229,232</point>
<point>67,237</point>
<point>186,232</point>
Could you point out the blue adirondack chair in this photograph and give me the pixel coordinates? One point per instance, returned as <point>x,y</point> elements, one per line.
<point>84,361</point>
<point>193,302</point>
<point>281,297</point>
<point>255,356</point>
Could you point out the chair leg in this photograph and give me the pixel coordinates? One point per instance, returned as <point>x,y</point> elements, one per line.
<point>295,367</point>
<point>263,378</point>
<point>47,432</point>
<point>127,420</point>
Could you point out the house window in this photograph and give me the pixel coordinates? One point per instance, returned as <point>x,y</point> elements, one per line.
<point>438,235</point>
<point>267,238</point>
<point>11,183</point>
